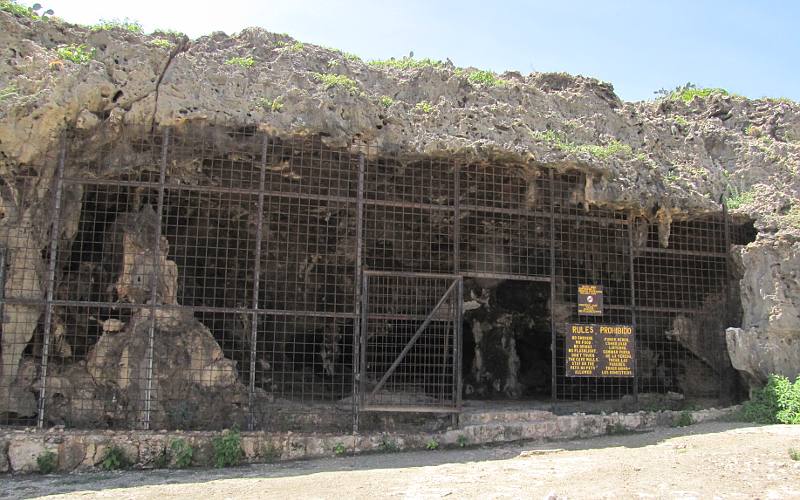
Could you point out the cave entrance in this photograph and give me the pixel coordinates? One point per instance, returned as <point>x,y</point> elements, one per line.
<point>507,340</point>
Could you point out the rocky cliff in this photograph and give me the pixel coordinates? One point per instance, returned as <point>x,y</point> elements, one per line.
<point>666,159</point>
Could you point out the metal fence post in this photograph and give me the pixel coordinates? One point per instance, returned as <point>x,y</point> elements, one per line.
<point>359,290</point>
<point>51,278</point>
<point>256,279</point>
<point>631,270</point>
<point>154,284</point>
<point>553,334</point>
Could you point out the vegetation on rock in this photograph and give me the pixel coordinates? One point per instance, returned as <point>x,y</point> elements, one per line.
<point>243,62</point>
<point>778,402</point>
<point>602,152</point>
<point>228,448</point>
<point>47,462</point>
<point>330,80</point>
<point>122,24</point>
<point>182,453</point>
<point>114,459</point>
<point>406,63</point>
<point>79,54</point>
<point>485,78</point>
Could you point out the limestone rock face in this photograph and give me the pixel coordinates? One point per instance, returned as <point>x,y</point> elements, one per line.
<point>193,383</point>
<point>769,339</point>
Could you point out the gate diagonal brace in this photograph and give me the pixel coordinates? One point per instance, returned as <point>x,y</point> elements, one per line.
<point>413,339</point>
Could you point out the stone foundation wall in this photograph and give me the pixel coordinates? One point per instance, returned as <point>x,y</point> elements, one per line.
<point>85,450</point>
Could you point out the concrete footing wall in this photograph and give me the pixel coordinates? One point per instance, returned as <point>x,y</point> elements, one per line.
<point>82,450</point>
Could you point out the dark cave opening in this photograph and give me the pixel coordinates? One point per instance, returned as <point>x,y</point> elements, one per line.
<point>507,340</point>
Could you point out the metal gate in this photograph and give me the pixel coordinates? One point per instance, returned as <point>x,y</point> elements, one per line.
<point>410,342</point>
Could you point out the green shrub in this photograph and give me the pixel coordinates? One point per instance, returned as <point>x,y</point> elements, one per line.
<point>778,402</point>
<point>738,199</point>
<point>389,446</point>
<point>33,12</point>
<point>432,444</point>
<point>485,78</point>
<point>794,454</point>
<point>242,62</point>
<point>123,24</point>
<point>406,63</point>
<point>424,106</point>
<point>684,420</point>
<point>160,42</point>
<point>462,441</point>
<point>272,105</point>
<point>339,449</point>
<point>689,91</point>
<point>79,54</point>
<point>386,101</point>
<point>114,459</point>
<point>8,92</point>
<point>227,448</point>
<point>330,80</point>
<point>47,462</point>
<point>182,453</point>
<point>600,151</point>
<point>297,47</point>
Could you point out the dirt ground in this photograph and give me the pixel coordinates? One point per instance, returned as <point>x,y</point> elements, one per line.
<point>711,460</point>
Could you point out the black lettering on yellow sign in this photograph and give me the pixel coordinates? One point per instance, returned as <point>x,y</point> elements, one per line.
<point>599,351</point>
<point>590,300</point>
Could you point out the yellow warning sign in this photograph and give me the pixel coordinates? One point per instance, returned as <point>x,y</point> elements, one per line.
<point>599,351</point>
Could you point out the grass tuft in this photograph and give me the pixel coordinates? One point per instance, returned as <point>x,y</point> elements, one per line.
<point>122,24</point>
<point>8,92</point>
<point>424,107</point>
<point>601,152</point>
<point>485,79</point>
<point>738,200</point>
<point>271,105</point>
<point>406,63</point>
<point>386,101</point>
<point>160,42</point>
<point>330,81</point>
<point>242,62</point>
<point>79,54</point>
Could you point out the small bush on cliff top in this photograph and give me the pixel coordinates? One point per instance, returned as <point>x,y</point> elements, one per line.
<point>485,78</point>
<point>406,63</point>
<point>12,7</point>
<point>778,402</point>
<point>123,24</point>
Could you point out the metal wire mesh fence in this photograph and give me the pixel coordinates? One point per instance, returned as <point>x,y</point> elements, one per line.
<point>205,277</point>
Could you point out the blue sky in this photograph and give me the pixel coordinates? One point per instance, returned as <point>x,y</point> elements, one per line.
<point>748,47</point>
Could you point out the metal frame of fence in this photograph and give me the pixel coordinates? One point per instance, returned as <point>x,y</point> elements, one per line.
<point>281,276</point>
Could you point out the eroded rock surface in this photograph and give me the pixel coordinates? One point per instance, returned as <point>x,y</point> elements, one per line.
<point>769,339</point>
